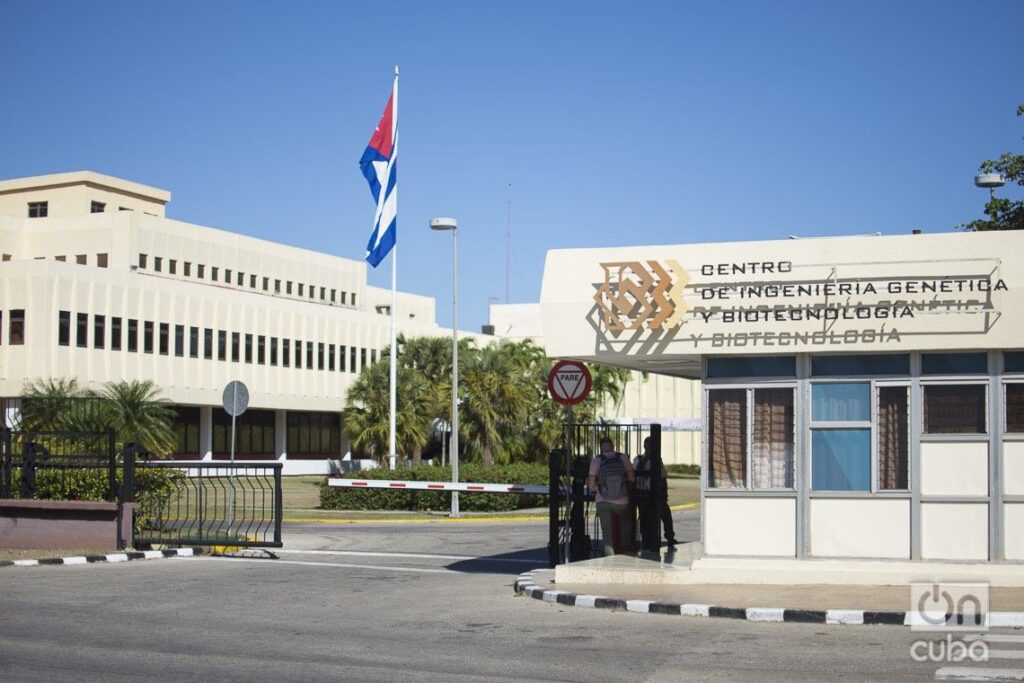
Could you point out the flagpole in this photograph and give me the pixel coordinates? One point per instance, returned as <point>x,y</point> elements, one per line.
<point>392,452</point>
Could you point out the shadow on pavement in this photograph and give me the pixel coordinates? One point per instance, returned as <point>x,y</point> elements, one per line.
<point>503,563</point>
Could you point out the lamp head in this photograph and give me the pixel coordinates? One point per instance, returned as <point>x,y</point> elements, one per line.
<point>443,224</point>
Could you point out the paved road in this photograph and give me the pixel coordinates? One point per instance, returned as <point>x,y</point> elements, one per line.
<point>391,602</point>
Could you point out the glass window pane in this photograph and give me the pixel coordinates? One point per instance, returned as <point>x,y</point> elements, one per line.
<point>772,453</point>
<point>832,366</point>
<point>727,438</point>
<point>954,409</point>
<point>1013,361</point>
<point>1015,408</point>
<point>841,459</point>
<point>954,364</point>
<point>893,438</point>
<point>769,366</point>
<point>841,402</point>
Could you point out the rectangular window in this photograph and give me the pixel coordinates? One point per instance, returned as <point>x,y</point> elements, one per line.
<point>373,356</point>
<point>82,259</point>
<point>334,295</point>
<point>298,354</point>
<point>101,260</point>
<point>99,331</point>
<point>266,284</point>
<point>286,353</point>
<point>1013,361</point>
<point>214,273</point>
<point>353,298</point>
<point>341,358</point>
<point>727,438</point>
<point>222,345</point>
<point>288,287</point>
<point>158,263</point>
<point>187,267</point>
<point>772,439</point>
<point>261,350</point>
<point>323,294</point>
<point>97,207</point>
<point>330,357</point>
<point>767,366</point>
<point>954,409</point>
<point>115,334</point>
<point>841,402</point>
<point>142,261</point>
<point>954,364</point>
<point>38,209</point>
<point>248,348</point>
<point>252,282</point>
<point>16,334</point>
<point>165,338</point>
<point>208,343</point>
<point>227,275</point>
<point>186,430</point>
<point>841,459</point>
<point>200,271</point>
<point>240,279</point>
<point>236,341</point>
<point>147,336</point>
<point>893,438</point>
<point>273,351</point>
<point>277,286</point>
<point>133,335</point>
<point>179,341</point>
<point>320,356</point>
<point>82,331</point>
<point>300,289</point>
<point>61,258</point>
<point>193,342</point>
<point>362,358</point>
<point>881,364</point>
<point>64,328</point>
<point>172,266</point>
<point>1015,407</point>
<point>309,355</point>
<point>352,359</point>
<point>343,295</point>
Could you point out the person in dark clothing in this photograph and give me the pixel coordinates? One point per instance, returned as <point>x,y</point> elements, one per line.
<point>642,466</point>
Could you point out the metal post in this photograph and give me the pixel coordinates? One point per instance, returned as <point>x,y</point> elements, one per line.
<point>231,472</point>
<point>278,503</point>
<point>455,373</point>
<point>570,453</point>
<point>658,492</point>
<point>554,502</point>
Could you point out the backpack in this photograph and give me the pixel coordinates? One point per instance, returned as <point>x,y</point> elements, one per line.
<point>611,478</point>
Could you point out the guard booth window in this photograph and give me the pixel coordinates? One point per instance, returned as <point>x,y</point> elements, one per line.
<point>751,438</point>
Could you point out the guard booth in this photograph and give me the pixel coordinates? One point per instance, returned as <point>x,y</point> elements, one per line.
<point>574,533</point>
<point>863,396</point>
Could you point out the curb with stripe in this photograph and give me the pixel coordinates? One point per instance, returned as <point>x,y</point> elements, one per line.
<point>525,585</point>
<point>109,557</point>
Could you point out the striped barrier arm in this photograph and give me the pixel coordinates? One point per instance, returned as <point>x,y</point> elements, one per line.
<point>436,486</point>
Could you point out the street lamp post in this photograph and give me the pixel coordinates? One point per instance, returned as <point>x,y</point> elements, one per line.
<point>452,224</point>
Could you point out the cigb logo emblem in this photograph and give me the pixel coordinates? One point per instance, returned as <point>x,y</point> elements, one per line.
<point>642,295</point>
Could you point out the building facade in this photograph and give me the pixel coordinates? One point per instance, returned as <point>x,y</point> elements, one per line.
<point>863,397</point>
<point>96,283</point>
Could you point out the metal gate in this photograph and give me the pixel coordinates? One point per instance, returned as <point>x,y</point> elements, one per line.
<point>573,530</point>
<point>204,502</point>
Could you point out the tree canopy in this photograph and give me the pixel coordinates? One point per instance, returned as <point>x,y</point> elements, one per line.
<point>1003,213</point>
<point>505,414</point>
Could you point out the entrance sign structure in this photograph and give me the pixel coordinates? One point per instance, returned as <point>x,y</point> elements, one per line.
<point>569,383</point>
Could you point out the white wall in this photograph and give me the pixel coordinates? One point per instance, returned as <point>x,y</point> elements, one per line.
<point>763,527</point>
<point>860,528</point>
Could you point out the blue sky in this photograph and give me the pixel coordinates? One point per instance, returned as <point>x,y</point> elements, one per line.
<point>615,124</point>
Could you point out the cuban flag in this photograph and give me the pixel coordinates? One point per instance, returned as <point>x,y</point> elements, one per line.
<point>380,167</point>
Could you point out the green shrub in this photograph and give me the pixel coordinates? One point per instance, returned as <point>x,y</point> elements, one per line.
<point>333,498</point>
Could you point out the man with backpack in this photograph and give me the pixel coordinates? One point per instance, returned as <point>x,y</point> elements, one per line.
<point>611,477</point>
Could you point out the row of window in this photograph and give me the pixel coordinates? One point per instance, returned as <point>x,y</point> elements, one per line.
<point>240,279</point>
<point>880,365</point>
<point>307,433</point>
<point>42,209</point>
<point>118,334</point>
<point>859,431</point>
<point>81,259</point>
<point>16,327</point>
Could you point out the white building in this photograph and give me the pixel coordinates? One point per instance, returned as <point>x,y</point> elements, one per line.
<point>97,284</point>
<point>863,396</point>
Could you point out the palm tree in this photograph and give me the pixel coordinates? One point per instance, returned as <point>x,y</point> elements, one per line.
<point>367,408</point>
<point>495,396</point>
<point>47,404</point>
<point>135,411</point>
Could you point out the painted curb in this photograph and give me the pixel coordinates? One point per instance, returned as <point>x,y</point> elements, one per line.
<point>525,585</point>
<point>126,556</point>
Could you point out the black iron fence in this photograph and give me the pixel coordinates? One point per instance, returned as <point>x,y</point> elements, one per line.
<point>208,503</point>
<point>58,465</point>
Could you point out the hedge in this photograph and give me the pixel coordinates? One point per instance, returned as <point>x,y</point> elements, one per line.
<point>333,498</point>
